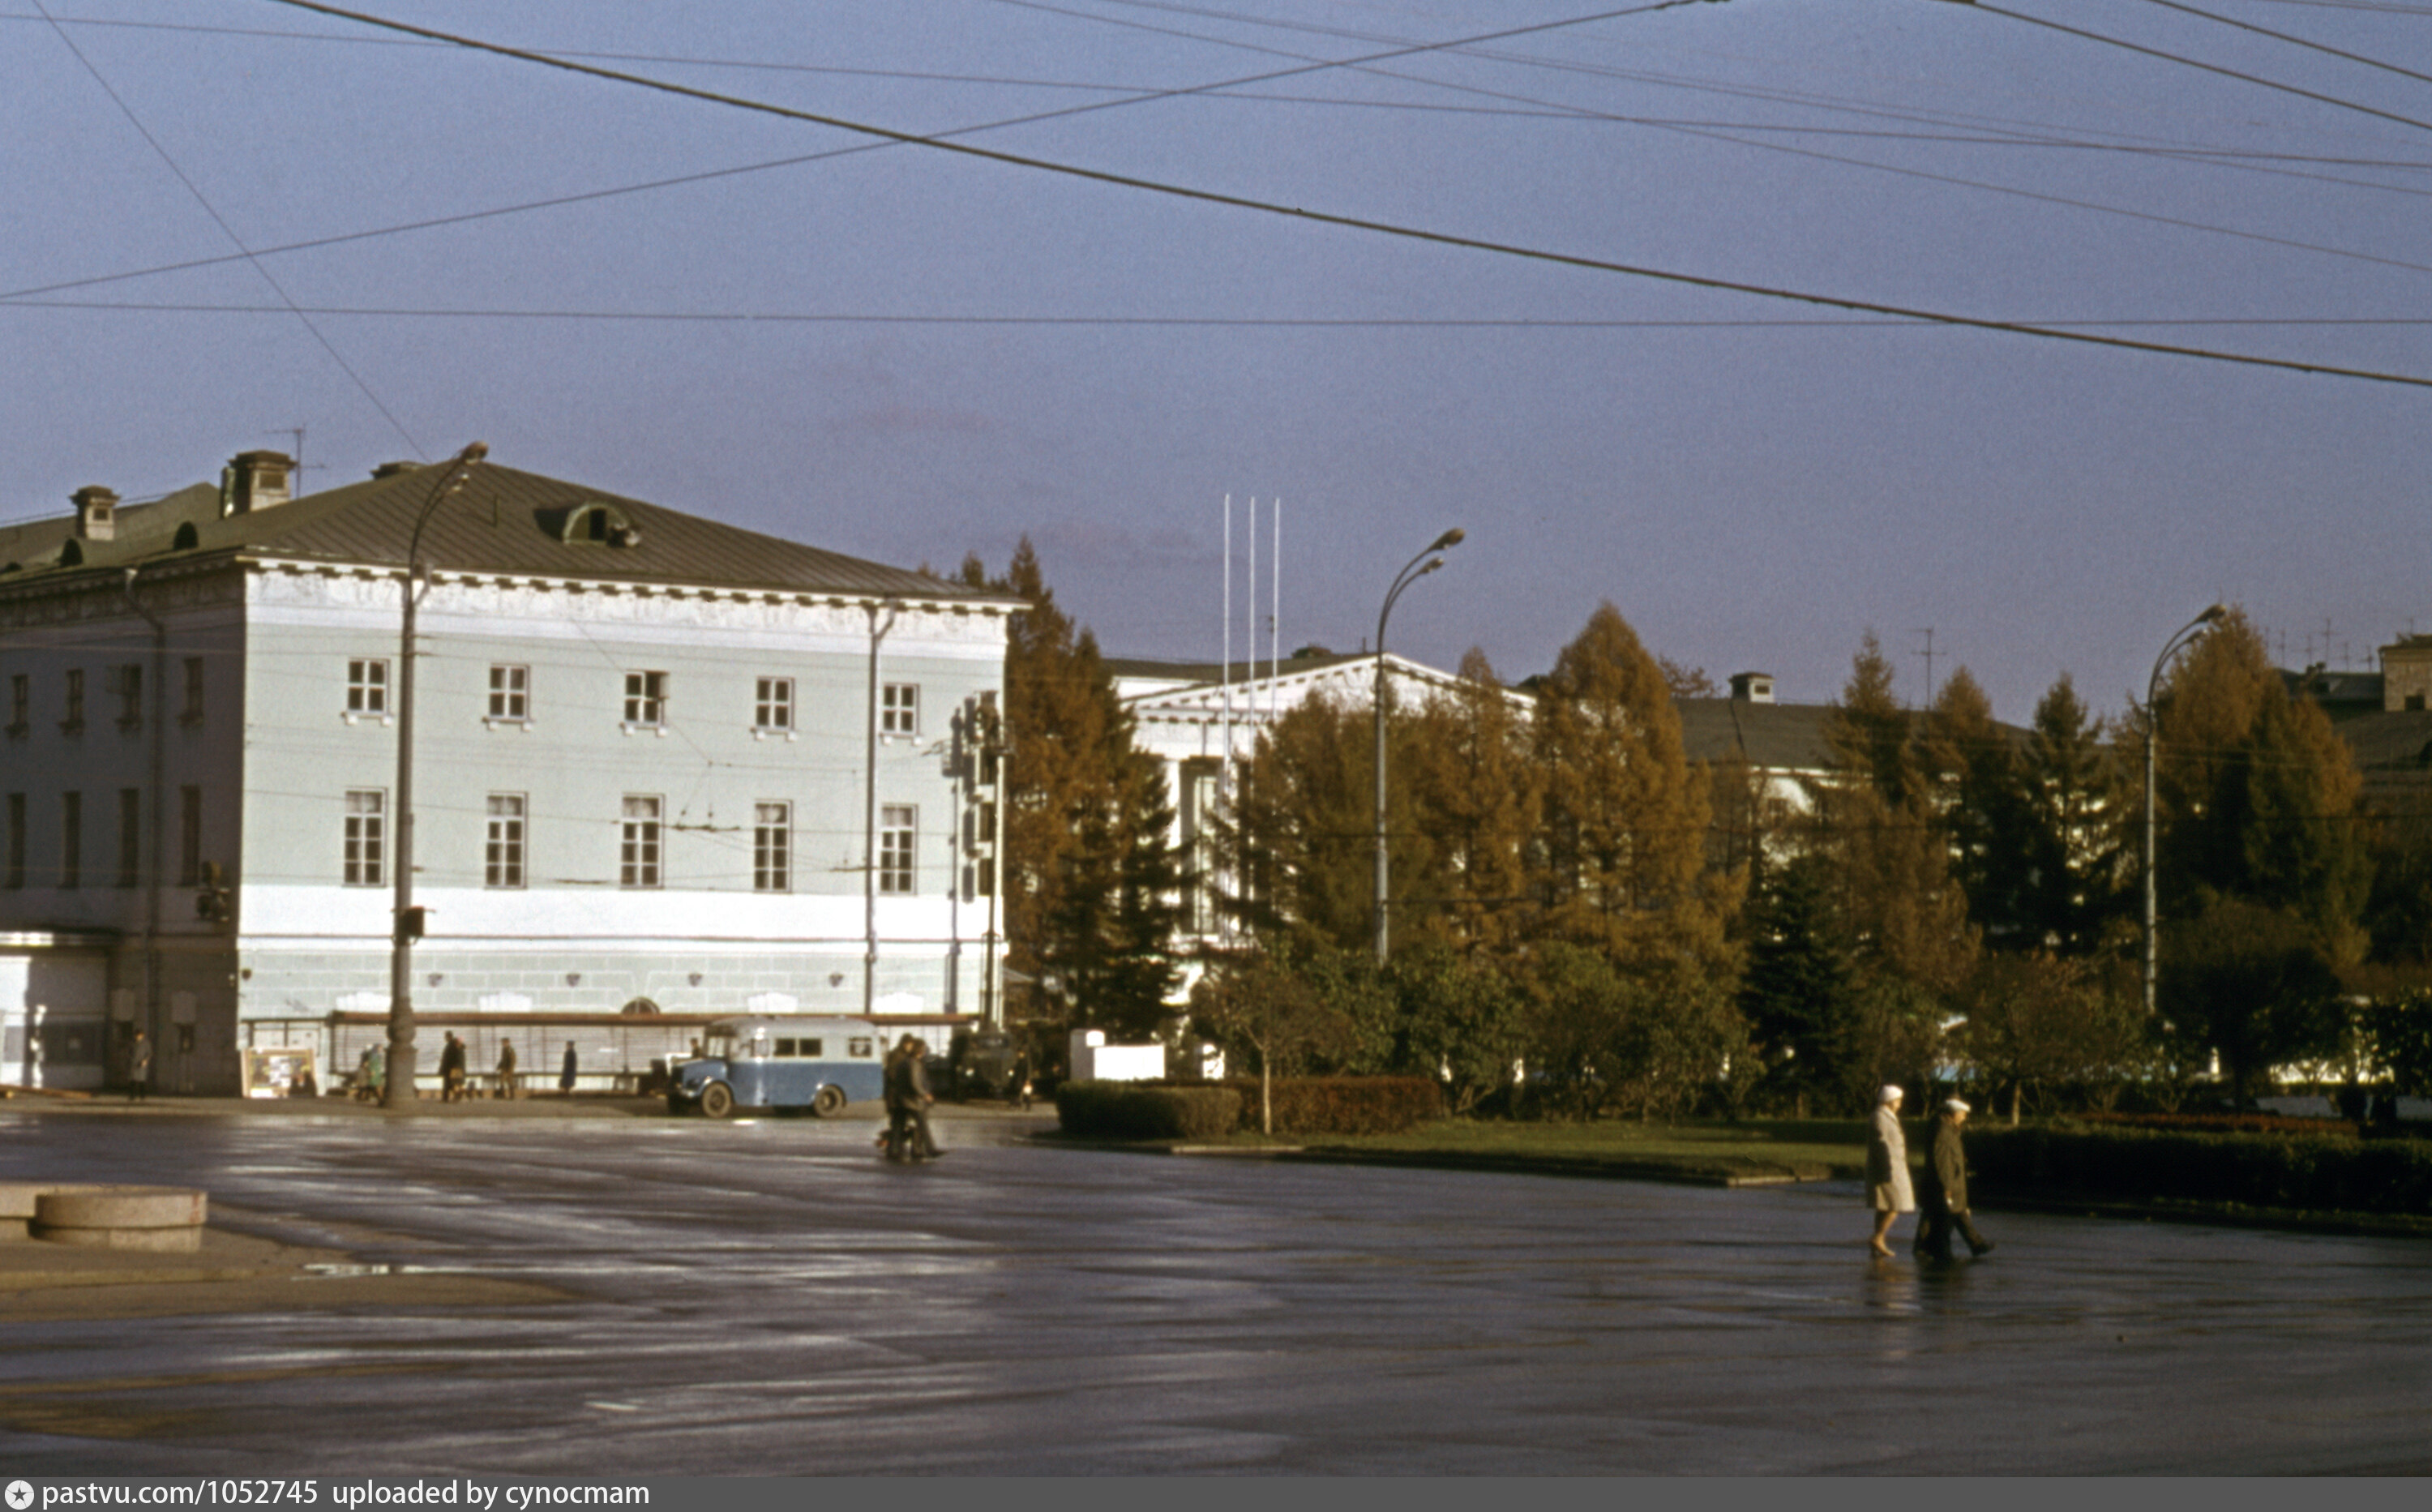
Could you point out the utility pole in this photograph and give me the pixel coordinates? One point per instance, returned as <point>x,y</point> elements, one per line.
<point>406,923</point>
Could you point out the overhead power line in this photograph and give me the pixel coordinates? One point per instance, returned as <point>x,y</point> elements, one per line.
<point>2292,40</point>
<point>1356,223</point>
<point>229,231</point>
<point>1281,322</point>
<point>2184,61</point>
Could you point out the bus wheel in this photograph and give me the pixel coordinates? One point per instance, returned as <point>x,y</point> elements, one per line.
<point>718,1099</point>
<point>829,1103</point>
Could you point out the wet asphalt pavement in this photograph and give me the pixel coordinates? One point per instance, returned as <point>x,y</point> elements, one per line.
<point>770,1298</point>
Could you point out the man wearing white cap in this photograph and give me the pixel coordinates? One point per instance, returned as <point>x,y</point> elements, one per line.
<point>1887,1189</point>
<point>1942,1190</point>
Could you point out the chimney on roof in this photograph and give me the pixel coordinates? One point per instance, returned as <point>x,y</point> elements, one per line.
<point>395,470</point>
<point>96,513</point>
<point>1752,688</point>
<point>257,479</point>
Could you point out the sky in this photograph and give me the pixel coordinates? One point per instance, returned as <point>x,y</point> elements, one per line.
<point>1401,265</point>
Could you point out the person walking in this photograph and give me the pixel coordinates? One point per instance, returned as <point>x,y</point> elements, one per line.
<point>1887,1185</point>
<point>139,1068</point>
<point>451,1069</point>
<point>507,1069</point>
<point>566,1073</point>
<point>896,1084</point>
<point>1942,1190</point>
<point>916,1101</point>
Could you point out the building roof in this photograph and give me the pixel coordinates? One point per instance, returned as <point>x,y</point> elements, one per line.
<point>1777,737</point>
<point>502,521</point>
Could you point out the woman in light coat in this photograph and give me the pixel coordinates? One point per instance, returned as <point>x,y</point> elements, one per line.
<point>1887,1185</point>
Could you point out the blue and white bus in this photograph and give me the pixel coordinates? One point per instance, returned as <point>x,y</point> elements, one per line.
<point>818,1063</point>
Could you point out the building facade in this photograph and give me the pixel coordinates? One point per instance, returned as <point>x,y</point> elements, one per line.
<point>662,769</point>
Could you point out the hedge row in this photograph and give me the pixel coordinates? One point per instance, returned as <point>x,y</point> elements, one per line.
<point>2221,1123</point>
<point>1125,1110</point>
<point>1343,1105</point>
<point>2328,1173</point>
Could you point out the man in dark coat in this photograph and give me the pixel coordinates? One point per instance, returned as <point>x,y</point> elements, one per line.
<point>897,1085</point>
<point>1942,1190</point>
<point>451,1069</point>
<point>916,1101</point>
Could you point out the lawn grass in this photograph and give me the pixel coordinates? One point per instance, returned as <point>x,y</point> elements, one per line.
<point>1811,1149</point>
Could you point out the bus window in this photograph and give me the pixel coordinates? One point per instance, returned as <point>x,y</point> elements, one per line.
<point>811,1048</point>
<point>785,1047</point>
<point>858,1048</point>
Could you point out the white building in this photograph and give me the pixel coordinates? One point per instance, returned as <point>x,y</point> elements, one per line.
<point>644,781</point>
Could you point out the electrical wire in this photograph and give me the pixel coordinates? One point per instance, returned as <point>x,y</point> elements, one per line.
<point>229,231</point>
<point>1363,223</point>
<point>2190,62</point>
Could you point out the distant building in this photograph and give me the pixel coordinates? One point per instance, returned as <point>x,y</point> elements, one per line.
<point>644,790</point>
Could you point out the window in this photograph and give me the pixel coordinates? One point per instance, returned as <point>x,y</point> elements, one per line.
<point>21,704</point>
<point>127,682</point>
<point>15,877</point>
<point>190,837</point>
<point>366,687</point>
<point>510,690</point>
<point>71,840</point>
<point>899,709</point>
<point>646,699</point>
<point>72,718</point>
<point>773,706</point>
<point>639,861</point>
<point>192,712</point>
<point>131,837</point>
<point>895,838</point>
<point>366,838</point>
<point>772,847</point>
<point>502,863</point>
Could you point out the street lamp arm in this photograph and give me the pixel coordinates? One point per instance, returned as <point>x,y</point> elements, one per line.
<point>2187,636</point>
<point>1413,570</point>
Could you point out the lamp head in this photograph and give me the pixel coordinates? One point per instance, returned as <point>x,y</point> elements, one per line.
<point>1449,538</point>
<point>1433,563</point>
<point>475,453</point>
<point>2212,614</point>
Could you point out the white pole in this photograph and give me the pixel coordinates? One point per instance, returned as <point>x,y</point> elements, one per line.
<point>1276,618</point>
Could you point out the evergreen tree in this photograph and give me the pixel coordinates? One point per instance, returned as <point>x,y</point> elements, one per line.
<point>2075,794</point>
<point>1092,885</point>
<point>1980,787</point>
<point>1798,984</point>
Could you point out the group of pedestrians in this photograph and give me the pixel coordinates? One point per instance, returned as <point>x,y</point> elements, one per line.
<point>907,1089</point>
<point>1939,1196</point>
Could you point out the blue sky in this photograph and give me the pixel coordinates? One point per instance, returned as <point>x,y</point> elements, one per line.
<point>907,354</point>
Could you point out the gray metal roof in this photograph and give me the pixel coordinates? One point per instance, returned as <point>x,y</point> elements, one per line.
<point>501,521</point>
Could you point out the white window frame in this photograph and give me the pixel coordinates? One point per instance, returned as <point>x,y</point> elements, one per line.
<point>772,847</point>
<point>642,838</point>
<point>503,840</point>
<point>367,688</point>
<point>646,701</point>
<point>899,709</point>
<point>366,856</point>
<point>772,707</point>
<point>509,700</point>
<point>899,850</point>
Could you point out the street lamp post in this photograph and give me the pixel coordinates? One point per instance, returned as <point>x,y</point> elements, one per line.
<point>2187,636</point>
<point>1411,571</point>
<point>406,923</point>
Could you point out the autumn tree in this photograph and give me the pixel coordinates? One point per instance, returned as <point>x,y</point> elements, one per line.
<point>1623,833</point>
<point>1978,788</point>
<point>1091,884</point>
<point>1475,795</point>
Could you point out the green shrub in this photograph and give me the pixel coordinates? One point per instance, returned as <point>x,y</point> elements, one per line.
<point>1343,1105</point>
<point>2329,1173</point>
<point>1124,1110</point>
